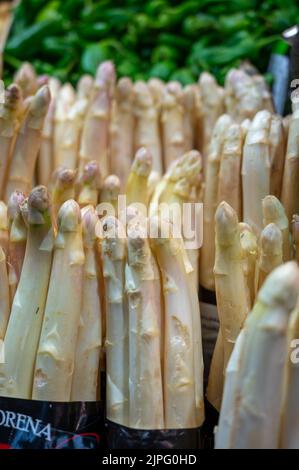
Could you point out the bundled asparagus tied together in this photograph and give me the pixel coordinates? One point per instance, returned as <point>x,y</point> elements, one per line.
<point>55,358</point>
<point>256,169</point>
<point>9,111</point>
<point>207,257</point>
<point>296,235</point>
<point>27,145</point>
<point>122,130</point>
<point>117,347</point>
<point>17,239</point>
<point>270,252</point>
<point>85,385</point>
<point>145,318</point>
<point>26,317</point>
<point>252,418</point>
<point>290,187</point>
<point>212,101</point>
<point>90,184</point>
<point>249,248</point>
<point>273,212</point>
<point>231,294</point>
<point>46,159</point>
<point>95,133</point>
<point>147,131</point>
<point>183,362</point>
<point>137,184</point>
<point>229,187</point>
<point>172,123</point>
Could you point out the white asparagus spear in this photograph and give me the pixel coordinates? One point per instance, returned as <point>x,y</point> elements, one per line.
<point>63,189</point>
<point>136,189</point>
<point>110,192</point>
<point>26,79</point>
<point>290,187</point>
<point>8,130</point>
<point>117,352</point>
<point>250,251</point>
<point>289,431</point>
<point>145,375</point>
<point>56,351</point>
<point>26,317</point>
<point>90,183</point>
<point>273,212</point>
<point>95,134</point>
<point>207,256</point>
<point>27,145</point>
<point>147,130</point>
<point>84,86</point>
<point>45,162</point>
<point>4,295</point>
<point>256,170</point>
<point>270,252</point>
<point>277,154</point>
<point>4,235</point>
<point>229,186</point>
<point>256,418</point>
<point>85,385</point>
<point>65,100</point>
<point>189,116</point>
<point>183,363</point>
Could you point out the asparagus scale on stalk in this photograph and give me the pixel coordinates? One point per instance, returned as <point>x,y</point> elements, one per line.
<point>26,317</point>
<point>55,358</point>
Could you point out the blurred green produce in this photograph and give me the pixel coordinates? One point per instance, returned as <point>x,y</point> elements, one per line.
<point>164,38</point>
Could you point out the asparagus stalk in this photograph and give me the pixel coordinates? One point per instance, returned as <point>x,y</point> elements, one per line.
<point>26,79</point>
<point>26,317</point>
<point>8,129</point>
<point>212,100</point>
<point>290,187</point>
<point>27,145</point>
<point>147,131</point>
<point>289,437</point>
<point>277,154</point>
<point>110,192</point>
<point>136,190</point>
<point>172,123</point>
<point>231,291</point>
<point>95,133</point>
<point>122,130</point>
<point>4,295</point>
<point>273,212</point>
<point>4,237</point>
<point>84,86</point>
<point>156,87</point>
<point>183,364</point>
<point>17,240</point>
<point>296,235</point>
<point>63,189</point>
<point>216,374</point>
<point>46,154</point>
<point>264,92</point>
<point>270,253</point>
<point>152,182</point>
<point>145,375</point>
<point>229,186</point>
<point>207,257</point>
<point>255,421</point>
<point>256,169</point>
<point>250,250</point>
<point>117,352</point>
<point>245,99</point>
<point>85,386</point>
<point>56,351</point>
<point>90,183</point>
<point>65,100</point>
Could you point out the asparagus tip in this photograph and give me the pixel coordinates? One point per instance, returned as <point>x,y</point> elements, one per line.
<point>281,286</point>
<point>69,216</point>
<point>15,200</point>
<point>227,224</point>
<point>143,160</point>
